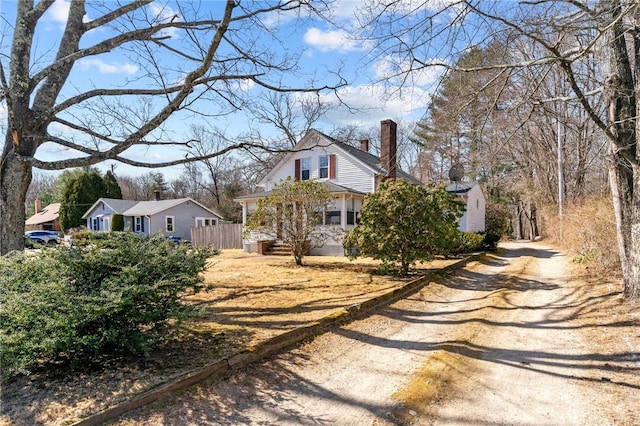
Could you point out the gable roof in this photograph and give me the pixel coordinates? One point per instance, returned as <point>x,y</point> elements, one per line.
<point>372,161</point>
<point>48,214</point>
<point>144,208</point>
<point>116,205</point>
<point>460,187</point>
<point>363,157</point>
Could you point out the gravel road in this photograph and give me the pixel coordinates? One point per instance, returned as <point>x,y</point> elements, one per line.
<point>499,342</point>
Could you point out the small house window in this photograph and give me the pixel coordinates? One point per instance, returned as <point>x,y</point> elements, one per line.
<point>305,169</point>
<point>138,224</point>
<point>323,171</point>
<point>95,223</point>
<point>205,221</point>
<point>170,223</point>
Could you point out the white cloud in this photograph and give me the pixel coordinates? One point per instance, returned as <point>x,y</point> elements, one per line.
<point>162,13</point>
<point>244,85</point>
<point>331,40</point>
<point>105,68</point>
<point>58,12</point>
<point>376,102</point>
<point>391,69</point>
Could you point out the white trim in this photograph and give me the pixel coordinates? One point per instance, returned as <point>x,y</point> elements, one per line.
<point>171,219</point>
<point>202,221</point>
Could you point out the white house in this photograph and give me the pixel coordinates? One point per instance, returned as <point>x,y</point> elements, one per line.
<point>473,219</point>
<point>349,173</point>
<point>168,217</point>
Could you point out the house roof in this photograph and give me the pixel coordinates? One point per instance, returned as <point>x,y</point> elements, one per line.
<point>332,187</point>
<point>116,205</point>
<point>148,208</point>
<point>366,158</point>
<point>460,187</point>
<point>144,208</point>
<point>48,214</point>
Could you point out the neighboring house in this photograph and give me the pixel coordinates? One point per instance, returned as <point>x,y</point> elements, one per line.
<point>168,217</point>
<point>349,173</point>
<point>473,219</point>
<point>46,219</point>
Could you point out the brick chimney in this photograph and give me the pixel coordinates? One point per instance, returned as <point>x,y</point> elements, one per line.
<point>38,205</point>
<point>364,145</point>
<point>156,195</point>
<point>388,141</point>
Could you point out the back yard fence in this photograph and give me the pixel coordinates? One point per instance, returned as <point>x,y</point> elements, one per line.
<point>223,236</point>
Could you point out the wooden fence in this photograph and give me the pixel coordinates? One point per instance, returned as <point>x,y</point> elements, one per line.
<point>224,236</point>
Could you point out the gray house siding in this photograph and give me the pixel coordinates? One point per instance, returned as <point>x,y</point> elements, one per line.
<point>150,217</point>
<point>100,219</point>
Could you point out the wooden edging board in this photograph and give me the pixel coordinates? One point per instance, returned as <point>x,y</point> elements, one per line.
<point>263,350</point>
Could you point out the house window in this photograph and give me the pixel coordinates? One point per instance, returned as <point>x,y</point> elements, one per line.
<point>169,223</point>
<point>95,224</point>
<point>351,216</point>
<point>323,171</point>
<point>305,169</point>
<point>138,224</point>
<point>332,215</point>
<point>205,221</point>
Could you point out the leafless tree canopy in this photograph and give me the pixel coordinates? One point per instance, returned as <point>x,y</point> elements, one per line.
<point>186,61</point>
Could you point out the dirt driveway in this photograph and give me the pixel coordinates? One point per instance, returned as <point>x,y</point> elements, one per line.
<point>514,339</point>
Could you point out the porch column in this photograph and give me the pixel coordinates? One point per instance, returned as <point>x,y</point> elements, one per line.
<point>343,212</point>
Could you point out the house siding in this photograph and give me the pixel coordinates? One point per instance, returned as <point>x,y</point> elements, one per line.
<point>183,211</point>
<point>101,211</point>
<point>348,172</point>
<point>184,216</point>
<point>473,219</point>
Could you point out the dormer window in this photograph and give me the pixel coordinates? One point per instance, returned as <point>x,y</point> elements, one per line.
<point>303,169</point>
<point>323,171</point>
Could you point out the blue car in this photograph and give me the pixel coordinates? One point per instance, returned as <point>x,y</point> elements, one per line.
<point>177,240</point>
<point>48,238</point>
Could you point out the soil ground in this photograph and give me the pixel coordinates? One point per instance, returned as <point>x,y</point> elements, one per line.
<point>251,298</point>
<point>518,338</point>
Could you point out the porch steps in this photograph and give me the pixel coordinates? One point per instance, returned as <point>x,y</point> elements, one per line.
<point>278,249</point>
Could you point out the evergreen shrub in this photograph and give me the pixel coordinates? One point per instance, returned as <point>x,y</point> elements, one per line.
<point>77,305</point>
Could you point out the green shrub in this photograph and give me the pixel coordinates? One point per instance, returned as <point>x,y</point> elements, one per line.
<point>497,221</point>
<point>76,305</point>
<point>402,223</point>
<point>468,242</point>
<point>117,222</point>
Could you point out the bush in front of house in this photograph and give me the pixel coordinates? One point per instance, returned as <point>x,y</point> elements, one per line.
<point>468,242</point>
<point>497,223</point>
<point>75,306</point>
<point>117,222</point>
<point>403,223</point>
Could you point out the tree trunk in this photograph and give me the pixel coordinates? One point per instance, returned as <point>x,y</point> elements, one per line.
<point>15,177</point>
<point>624,174</point>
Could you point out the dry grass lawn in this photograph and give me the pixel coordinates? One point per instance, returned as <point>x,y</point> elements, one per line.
<point>251,298</point>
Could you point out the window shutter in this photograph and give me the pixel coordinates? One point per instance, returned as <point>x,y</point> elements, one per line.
<point>297,170</point>
<point>332,166</point>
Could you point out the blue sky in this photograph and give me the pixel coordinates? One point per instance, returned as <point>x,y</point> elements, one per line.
<point>322,48</point>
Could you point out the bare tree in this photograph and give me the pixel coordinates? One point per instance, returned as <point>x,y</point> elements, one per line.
<point>569,36</point>
<point>193,60</point>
